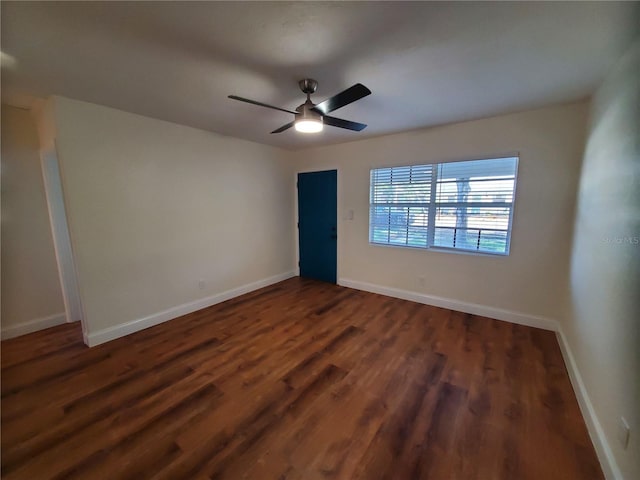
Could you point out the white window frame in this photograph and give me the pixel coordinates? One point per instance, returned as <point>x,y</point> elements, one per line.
<point>433,204</point>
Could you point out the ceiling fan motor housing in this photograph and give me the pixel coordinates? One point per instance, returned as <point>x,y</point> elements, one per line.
<point>305,112</point>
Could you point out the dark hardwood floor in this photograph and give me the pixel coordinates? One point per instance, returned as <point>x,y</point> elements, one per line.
<point>300,380</point>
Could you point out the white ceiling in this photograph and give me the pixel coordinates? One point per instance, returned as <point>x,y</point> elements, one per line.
<point>426,63</point>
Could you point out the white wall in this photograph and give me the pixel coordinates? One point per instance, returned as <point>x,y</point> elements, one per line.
<point>31,295</point>
<point>602,327</point>
<point>530,280</point>
<point>154,207</point>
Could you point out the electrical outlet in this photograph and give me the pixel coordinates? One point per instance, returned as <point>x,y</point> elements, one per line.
<point>624,433</point>
<point>202,283</point>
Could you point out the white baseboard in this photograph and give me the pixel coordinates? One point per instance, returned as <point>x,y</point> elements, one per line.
<point>598,438</point>
<point>101,336</point>
<point>32,326</point>
<point>452,304</point>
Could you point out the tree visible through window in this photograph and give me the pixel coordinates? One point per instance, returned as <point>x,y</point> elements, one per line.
<point>457,205</point>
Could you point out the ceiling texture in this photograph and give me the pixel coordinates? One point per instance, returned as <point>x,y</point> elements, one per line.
<point>426,63</point>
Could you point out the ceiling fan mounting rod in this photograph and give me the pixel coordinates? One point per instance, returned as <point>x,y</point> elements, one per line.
<point>308,86</point>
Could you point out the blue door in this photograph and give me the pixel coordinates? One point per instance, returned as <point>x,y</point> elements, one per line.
<point>317,234</point>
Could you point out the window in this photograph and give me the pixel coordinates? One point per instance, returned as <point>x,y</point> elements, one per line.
<point>456,205</point>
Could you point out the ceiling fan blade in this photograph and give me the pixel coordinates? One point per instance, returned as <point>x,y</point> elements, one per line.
<point>339,122</point>
<point>260,104</point>
<point>346,97</point>
<point>284,127</point>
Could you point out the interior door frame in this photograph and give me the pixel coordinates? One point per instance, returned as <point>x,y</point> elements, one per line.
<point>67,274</point>
<point>323,168</point>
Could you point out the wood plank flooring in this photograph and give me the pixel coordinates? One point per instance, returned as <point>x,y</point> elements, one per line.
<point>299,380</point>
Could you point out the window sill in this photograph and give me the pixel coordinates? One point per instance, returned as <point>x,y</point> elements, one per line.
<point>442,250</point>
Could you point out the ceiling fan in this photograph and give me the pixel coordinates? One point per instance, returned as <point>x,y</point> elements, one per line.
<point>310,117</point>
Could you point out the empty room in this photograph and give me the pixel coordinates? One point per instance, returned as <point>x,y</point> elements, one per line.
<point>320,240</point>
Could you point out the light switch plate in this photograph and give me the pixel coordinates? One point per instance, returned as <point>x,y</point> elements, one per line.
<point>623,432</point>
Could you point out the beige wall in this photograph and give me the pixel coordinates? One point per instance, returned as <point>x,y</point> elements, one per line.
<point>603,325</point>
<point>30,286</point>
<point>154,207</point>
<point>550,142</point>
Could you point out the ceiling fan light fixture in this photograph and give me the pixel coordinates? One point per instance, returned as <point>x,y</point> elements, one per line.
<point>308,121</point>
<point>309,125</point>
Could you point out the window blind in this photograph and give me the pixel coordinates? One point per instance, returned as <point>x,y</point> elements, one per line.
<point>457,205</point>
